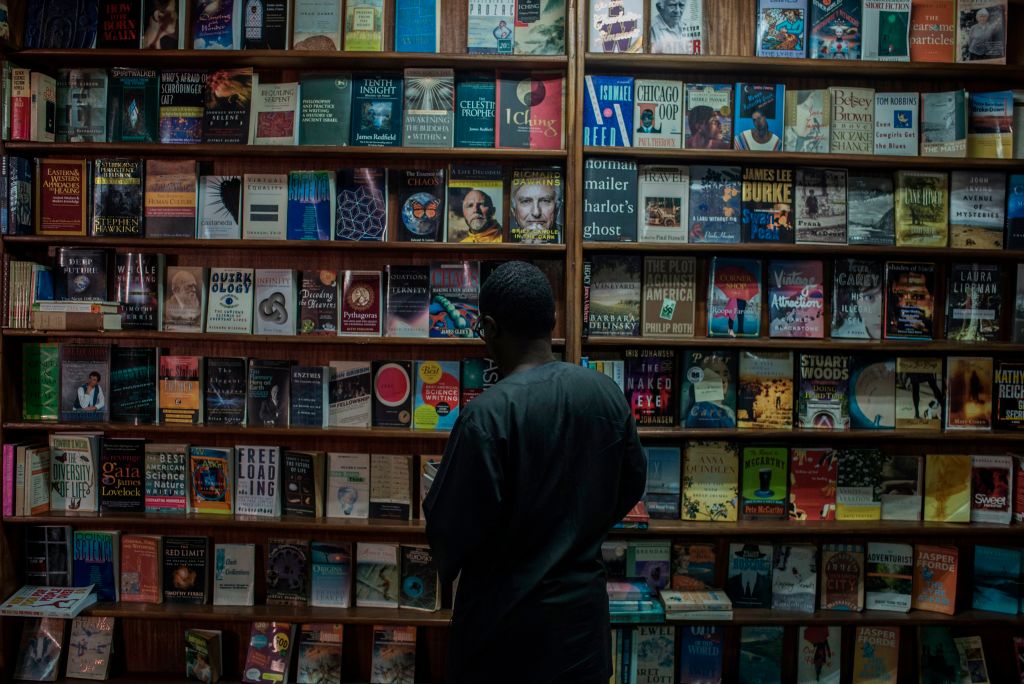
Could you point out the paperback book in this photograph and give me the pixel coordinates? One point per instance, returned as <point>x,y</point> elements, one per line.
<point>765,396</point>
<point>708,116</point>
<point>796,301</point>
<point>708,396</point>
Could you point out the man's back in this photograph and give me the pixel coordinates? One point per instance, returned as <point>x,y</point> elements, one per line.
<point>537,470</point>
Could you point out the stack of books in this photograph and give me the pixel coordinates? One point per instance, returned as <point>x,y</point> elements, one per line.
<point>76,315</point>
<point>632,601</point>
<point>702,606</point>
<point>637,519</point>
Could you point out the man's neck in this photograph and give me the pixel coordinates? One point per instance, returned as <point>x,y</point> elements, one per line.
<point>529,353</point>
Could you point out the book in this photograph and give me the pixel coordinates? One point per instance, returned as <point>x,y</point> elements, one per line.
<point>859,484</point>
<point>807,115</point>
<point>454,299</point>
<point>824,399</point>
<point>992,488</point>
<point>203,654</point>
<point>649,389</point>
<point>1014,212</point>
<point>764,483</point>
<point>996,582</point>
<point>795,577</point>
<point>767,205</point>
<point>84,382</point>
<point>95,562</point>
<point>715,204</point>
<point>265,207</point>
<point>170,198</point>
<point>649,562</point>
<point>274,118</point>
<point>607,111</point>
<point>394,654</point>
<point>932,30</point>
<point>475,113</point>
<point>141,568</point>
<point>663,203</point>
<point>812,484</point>
<point>973,303</point>
<point>48,555</point>
<point>539,29</point>
<point>391,486</point>
<point>180,390</point>
<point>781,28</point>
<point>163,25</point>
<point>227,103</point>
<point>677,32</point>
<point>896,123</point>
<point>857,299</point>
<point>909,300</point>
<point>311,205</point>
<point>348,485</point>
<point>876,654</point>
<point>668,295</point>
<point>275,304</point>
<point>182,104</point>
<point>420,583</point>
<point>476,204</point>
<point>302,482</point>
<point>765,395</point>
<point>834,30</point>
<point>258,481</point>
<point>82,274</point>
<point>662,493</point>
<point>821,206</point>
<point>617,27</point>
<point>710,474</point>
<point>947,488</point>
<point>81,105</point>
<point>408,301</point>
<point>693,566</point>
<point>609,200</point>
<point>377,110</point>
<point>363,22</point>
<point>734,298</point>
<point>288,567</point>
<point>708,116</point>
<point>902,485</point>
<point>48,602</point>
<point>266,26</point>
<point>212,480</point>
<point>421,198</point>
<point>934,584</point>
<point>976,209</point>
<point>1009,394</point>
<point>842,577</point>
<point>229,303</point>
<point>139,289</point>
<point>889,577</point>
<point>39,651</point>
<point>938,654</point>
<point>968,393</point>
<point>708,397</point>
<point>429,108</point>
<point>490,27</point>
<point>972,653</point>
<point>819,657</point>
<point>657,113</point>
<point>536,206</point>
<point>886,30</point>
<point>700,653</point>
<point>224,391</point>
<point>796,299</point>
<point>749,577</point>
<point>530,109</point>
<point>436,403</point>
<point>325,107</point>
<point>852,124</point>
<point>121,474</point>
<point>309,396</point>
<point>764,105</point>
<point>417,26</point>
<point>61,196</point>
<point>361,210</point>
<point>919,395</point>
<point>217,26</point>
<point>20,188</point>
<point>166,478</point>
<point>377,575</point>
<point>990,125</point>
<point>40,376</point>
<point>944,121</point>
<point>981,31</point>
<point>320,646</point>
<point>267,396</point>
<point>269,654</point>
<point>43,108</point>
<point>316,25</point>
<point>392,394</point>
<point>615,296</point>
<point>331,574</point>
<point>318,303</point>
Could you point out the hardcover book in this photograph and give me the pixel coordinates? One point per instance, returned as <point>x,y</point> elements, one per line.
<point>796,299</point>
<point>141,568</point>
<point>662,494</point>
<point>708,116</point>
<point>710,473</point>
<point>976,209</point>
<point>821,206</point>
<point>617,26</point>
<point>267,396</point>
<point>1009,395</point>
<point>265,206</point>
<point>607,111</point>
<point>669,294</point>
<point>857,299</point>
<point>902,486</point>
<point>609,200</point>
<point>274,119</point>
<point>909,300</point>
<point>40,381</point>
<point>919,395</point>
<point>266,25</point>
<point>842,577</point>
<point>84,382</point>
<point>361,310</point>
<point>348,485</point>
<point>287,572</point>
<point>258,481</point>
<point>43,107</point>
<point>391,486</point>
<point>981,31</point>
<point>812,484</point>
<point>377,575</point>
<point>947,488</point>
<point>361,211</point>
<point>229,305</point>
<point>318,303</point>
<point>768,205</point>
<point>749,577</point>
<point>675,33</point>
<point>889,577</point>
<point>476,204</point>
<point>166,477</point>
<point>990,125</point>
<point>392,394</point>
<point>234,574</point>
<point>539,28</point>
<point>781,28</point>
<point>325,108</point>
<point>302,478</point>
<point>996,579</point>
<point>663,204</point>
<point>417,26</point>
<point>944,121</point>
<point>377,110</point>
<point>824,401</point>
<point>82,274</point>
<point>44,27</point>
<point>275,307</point>
<point>765,481</point>
<point>535,205</point>
<point>454,299</point>
<point>649,388</point>
<point>331,575</point>
<point>934,584</point>
<point>81,105</point>
<point>852,127</point>
<point>992,488</point>
<point>765,396</point>
<point>429,108</point>
<point>715,204</point>
<point>121,475</point>
<point>363,26</point>
<point>139,289</point>
<point>760,109</point>
<point>170,198</point>
<point>421,199</point>
<point>408,301</point>
<point>973,303</point>
<point>886,30</point>
<point>217,26</point>
<point>311,205</point>
<point>163,25</point>
<point>807,117</point>
<point>227,104</point>
<point>182,103</point>
<point>795,578</point>
<point>657,113</point>
<point>968,393</point>
<point>708,397</point>
<point>834,32</point>
<point>615,296</point>
<point>185,570</point>
<point>859,484</point>
<point>61,196</point>
<point>475,114</point>
<point>211,478</point>
<point>932,30</point>
<point>317,25</point>
<point>530,109</point>
<point>734,298</point>
<point>224,391</point>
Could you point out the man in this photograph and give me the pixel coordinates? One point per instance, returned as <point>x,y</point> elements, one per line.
<point>985,37</point>
<point>647,122</point>
<point>535,209</point>
<point>478,212</point>
<point>537,469</point>
<point>667,32</point>
<point>90,394</point>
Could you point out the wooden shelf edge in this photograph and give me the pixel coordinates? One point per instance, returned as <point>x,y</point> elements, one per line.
<point>205,150</point>
<point>242,432</point>
<point>825,436</point>
<point>820,251</point>
<point>879,346</point>
<point>914,618</point>
<point>294,614</point>
<point>168,520</point>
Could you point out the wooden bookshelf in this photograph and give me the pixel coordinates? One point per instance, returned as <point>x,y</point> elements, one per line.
<point>214,151</point>
<point>826,252</point>
<point>881,437</point>
<point>177,612</point>
<point>239,432</point>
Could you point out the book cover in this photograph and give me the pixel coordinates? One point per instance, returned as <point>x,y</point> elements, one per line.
<point>812,484</point>
<point>476,204</point>
<point>934,584</point>
<point>700,653</point>
<point>708,116</point>
<point>1009,395</point>
<point>82,274</point>
<point>377,575</point>
<point>767,205</point>
<point>475,113</point>
<point>166,477</point>
<point>765,479</point>
<point>203,654</point>
<point>947,488</point>
<point>227,102</point>
<point>657,113</point>
<point>84,382</point>
<point>267,395</point>
<point>61,196</point>
<point>824,400</point>
<point>421,588</point>
<point>302,478</point>
<point>311,205</point>
<point>973,303</point>
<point>40,381</point>
<point>182,103</point>
<point>919,393</point>
<point>649,561</point>
<point>693,566</point>
<point>81,105</point>
<point>363,22</point>
<point>211,480</point>
<point>944,120</point>
<point>529,109</point>
<point>536,206</point>
<point>490,27</point>
<point>669,295</point>
<point>224,391</point>
<point>819,658</point>
<point>708,397</point>
<point>834,29</point>
<point>663,199</point>
<point>265,205</point>
<point>42,640</point>
<point>121,474</point>
<point>43,107</point>
<point>417,26</point>
<point>734,298</point>
<point>48,555</point>
<point>325,108</point>
<point>394,654</point>
<point>990,125</point>
<point>996,583</point>
<point>938,655</point>
<point>886,30</point>
<point>391,486</point>
<point>454,299</point>
<point>749,577</point>
<point>229,303</point>
<point>270,652</point>
<point>607,111</point>
<point>972,658</point>
<point>649,386</point>
<point>421,198</point>
<point>287,567</point>
<point>781,28</point>
<point>170,198</point>
<point>715,204</point>
<point>795,577</point>
<point>1018,309</point>
<point>796,299</point>
<point>217,25</point>
<point>876,653</point>
<point>309,396</point>
<point>609,200</point>
<point>436,403</point>
<point>976,209</point>
<point>852,127</point>
<point>234,574</point>
<point>617,26</point>
<point>710,476</point>
<point>274,118</point>
<point>408,301</point>
<point>265,25</point>
<point>185,569</point>
<point>615,296</point>
<point>896,124</point>
<point>348,485</point>
<point>377,110</point>
<point>663,487</point>
<point>981,31</point>
<point>889,577</point>
<point>859,484</point>
<point>20,188</point>
<point>91,644</point>
<point>821,206</point>
<point>331,569</point>
<point>760,108</point>
<point>1014,211</point>
<point>807,117</point>
<point>842,577</point>
<point>392,394</point>
<point>319,658</point>
<point>361,210</point>
<point>141,568</point>
<point>932,30</point>
<point>992,488</point>
<point>677,31</point>
<point>857,299</point>
<point>163,25</point>
<point>117,25</point>
<point>139,289</point>
<point>909,300</point>
<point>968,393</point>
<point>902,486</point>
<point>429,108</point>
<point>318,303</point>
<point>258,481</point>
<point>316,25</point>
<point>275,307</point>
<point>765,397</point>
<point>95,561</point>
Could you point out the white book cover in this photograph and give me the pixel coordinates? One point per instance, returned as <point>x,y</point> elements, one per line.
<point>276,302</point>
<point>258,481</point>
<point>348,485</point>
<point>72,473</point>
<point>90,647</point>
<point>617,26</point>
<point>350,395</point>
<point>377,575</point>
<point>896,125</point>
<point>885,29</point>
<point>807,121</point>
<point>265,203</point>
<point>977,203</point>
<point>664,204</point>
<point>274,118</point>
<point>992,488</point>
<point>819,655</point>
<point>229,303</point>
<point>234,574</point>
<point>673,33</point>
<point>220,206</point>
<point>657,113</point>
<point>317,25</point>
<point>889,577</point>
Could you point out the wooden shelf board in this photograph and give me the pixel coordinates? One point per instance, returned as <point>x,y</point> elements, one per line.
<point>297,614</point>
<point>826,436</point>
<point>732,65</point>
<point>740,157</point>
<point>811,250</point>
<point>283,59</point>
<point>241,432</point>
<point>504,248</point>
<point>782,344</point>
<point>298,151</point>
<point>171,520</point>
<point>823,528</point>
<point>751,616</point>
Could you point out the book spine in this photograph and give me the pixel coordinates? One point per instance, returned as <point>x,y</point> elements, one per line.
<point>20,466</point>
<point>21,104</point>
<point>587,266</point>
<point>8,480</point>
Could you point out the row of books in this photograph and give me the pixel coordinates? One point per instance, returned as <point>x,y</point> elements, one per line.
<point>233,106</point>
<point>158,198</point>
<point>493,27</point>
<point>623,111</point>
<point>87,472</point>
<point>647,653</point>
<point>146,568</point>
<point>901,31</point>
<point>659,203</point>
<point>656,296</point>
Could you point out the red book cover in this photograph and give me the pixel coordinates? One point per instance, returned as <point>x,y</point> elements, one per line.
<point>529,110</point>
<point>1018,489</point>
<point>21,104</point>
<point>61,200</point>
<point>812,490</point>
<point>360,303</point>
<point>932,30</point>
<point>141,563</point>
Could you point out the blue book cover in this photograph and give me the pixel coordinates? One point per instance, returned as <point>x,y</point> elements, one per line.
<point>19,196</point>
<point>939,658</point>
<point>436,402</point>
<point>474,111</point>
<point>608,111</point>
<point>873,393</point>
<point>782,28</point>
<point>708,399</point>
<point>663,487</point>
<point>758,124</point>
<point>996,579</point>
<point>1014,212</point>
<point>416,26</point>
<point>308,396</point>
<point>94,562</point>
<point>216,25</point>
<point>310,205</point>
<point>377,104</point>
<point>331,574</point>
<point>454,299</point>
<point>734,298</point>
<point>49,24</point>
<point>715,204</point>
<point>761,654</point>
<point>700,654</point>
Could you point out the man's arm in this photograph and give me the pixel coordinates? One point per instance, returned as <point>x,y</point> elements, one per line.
<point>464,503</point>
<point>101,401</point>
<point>632,472</point>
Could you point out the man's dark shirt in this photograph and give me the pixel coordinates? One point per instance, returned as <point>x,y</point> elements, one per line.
<point>537,469</point>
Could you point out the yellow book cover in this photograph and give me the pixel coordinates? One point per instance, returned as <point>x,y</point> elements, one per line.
<point>876,655</point>
<point>363,26</point>
<point>922,209</point>
<point>710,473</point>
<point>947,488</point>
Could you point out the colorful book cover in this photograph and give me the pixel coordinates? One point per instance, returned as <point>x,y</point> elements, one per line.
<point>932,30</point>
<point>944,120</point>
<point>734,298</point>
<point>1009,395</point>
<point>363,26</point>
<point>909,300</point>
<point>990,125</point>
<point>490,27</point>
<point>96,561</point>
<point>996,581</point>
<point>765,397</point>
<point>617,26</point>
<point>663,486</point>
<point>897,129</point>
<point>715,204</point>
<point>361,310</point>
<point>362,205</point>
<point>170,198</point>
<point>920,399</point>
<point>649,560</point>
<point>782,28</point>
<point>180,390</point>
<point>947,488</point>
<point>530,109</point>
<point>84,382</point>
<point>677,31</point>
<point>608,111</point>
<point>761,654</point>
<point>116,198</point>
<point>663,202</point>
<point>421,197</point>
<point>211,481</point>
<point>417,26</point>
<point>377,110</point>
<point>886,30</point>
<point>320,648</point>
<point>710,475</point>
<point>311,200</point>
<point>475,116</point>
<point>760,116</point>
<point>768,205</point>
<point>331,580</point>
<point>377,577</point>
<point>476,204</point>
<point>820,206</point>
<point>796,299</point>
<point>436,403</point>
<point>40,376</point>
<point>819,658</point>
<point>121,474</point>
<point>842,577</point>
<point>977,200</point>
<point>812,484</point>
<point>935,578</point>
<point>615,296</point>
<point>454,299</point>
<point>649,388</point>
<point>700,654</point>
<point>392,394</point>
<point>708,116</point>
<point>835,31</point>
<point>270,652</point>
<point>181,106</point>
<point>973,303</point>
<point>273,118</point>
<point>889,577</point>
<point>765,479</point>
<point>318,303</point>
<point>857,299</point>
<point>166,474</point>
<point>394,654</point>
<point>795,578</point>
<point>981,31</point>
<point>852,127</point>
<point>693,566</point>
<point>824,399</point>
<point>657,113</point>
<point>539,28</point>
<point>859,484</point>
<point>141,566</point>
<point>708,397</point>
<point>429,108</point>
<point>749,577</point>
<point>535,205</point>
<point>992,488</point>
<point>968,393</point>
<point>325,108</point>
<point>876,654</point>
<point>61,196</point>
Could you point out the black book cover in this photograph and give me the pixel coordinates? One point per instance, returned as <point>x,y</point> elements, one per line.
<point>318,303</point>
<point>857,299</point>
<point>182,99</point>
<point>299,484</point>
<point>377,104</point>
<point>133,383</point>
<point>767,197</point>
<point>609,200</point>
<point>82,274</point>
<point>119,24</point>
<point>1014,211</point>
<point>392,394</point>
<point>186,569</point>
<point>225,391</point>
<point>265,25</point>
<point>1009,391</point>
<point>287,572</point>
<point>227,102</point>
<point>909,300</point>
<point>133,105</point>
<point>974,306</point>
<point>308,396</point>
<point>61,24</point>
<point>267,403</point>
<point>48,555</point>
<point>121,476</point>
<point>408,301</point>
<point>139,284</point>
<point>362,206</point>
<point>421,200</point>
